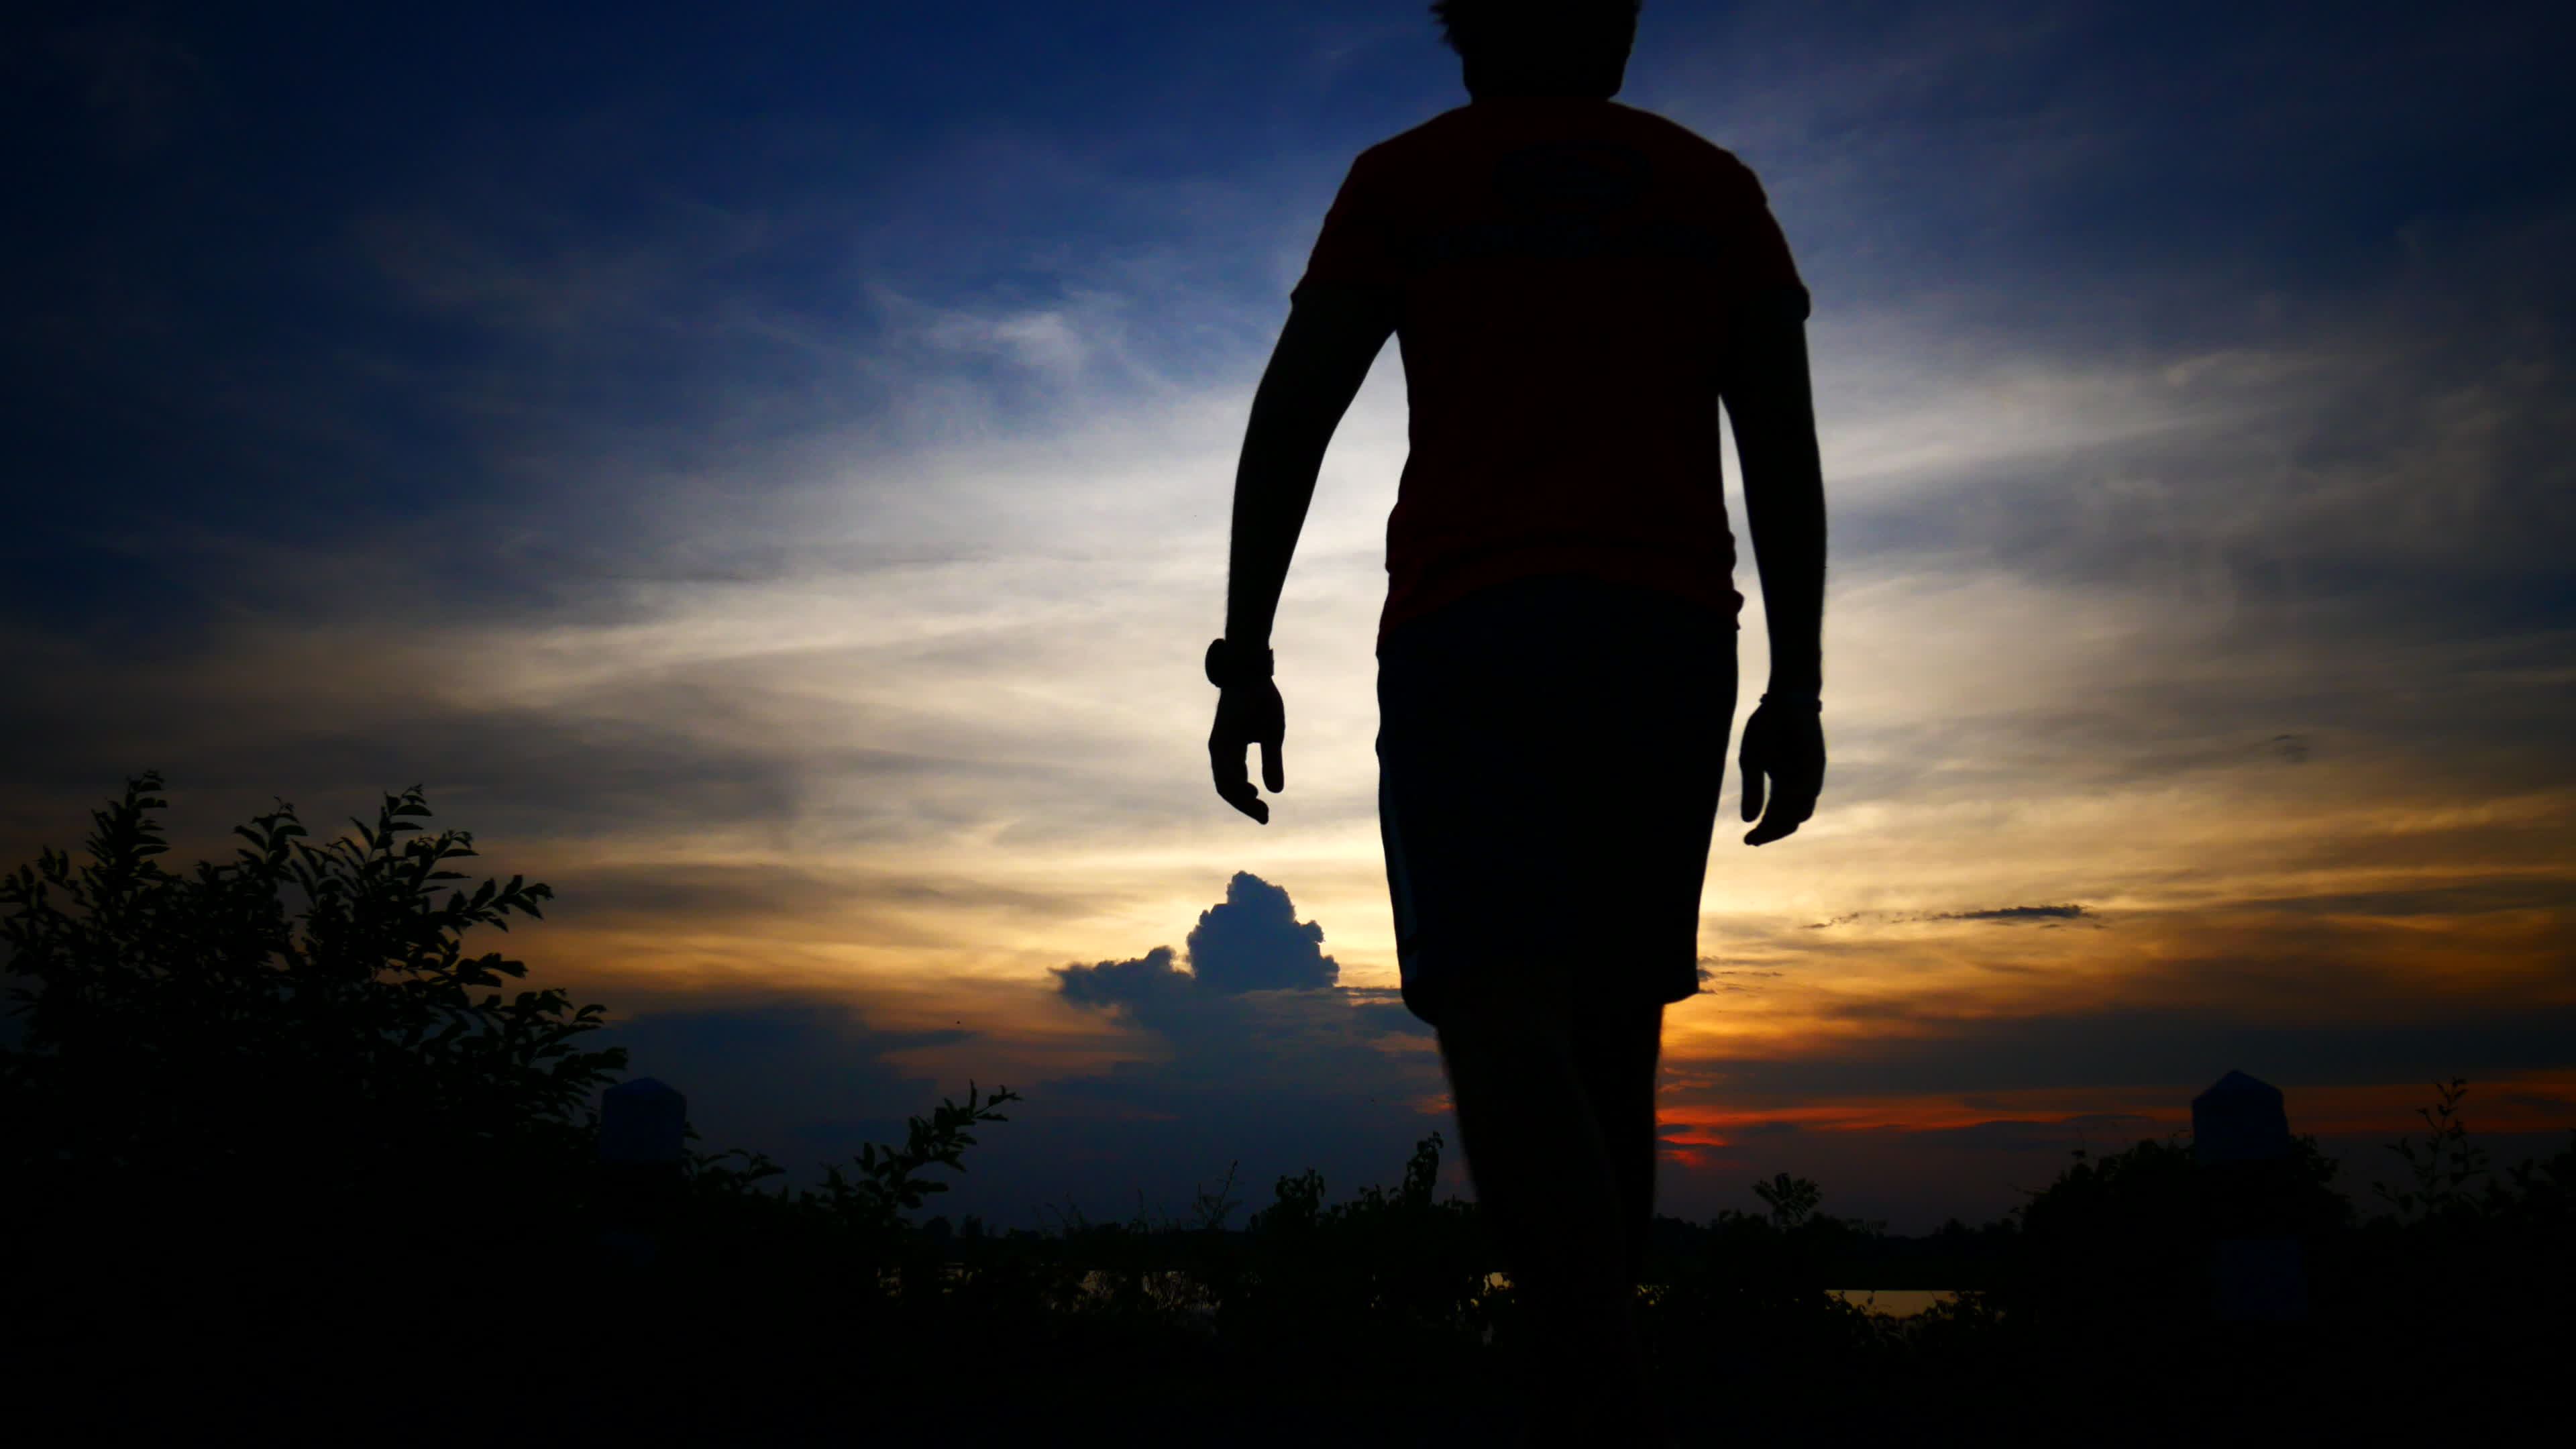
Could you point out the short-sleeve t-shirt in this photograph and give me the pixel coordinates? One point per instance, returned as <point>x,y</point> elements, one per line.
<point>1567,269</point>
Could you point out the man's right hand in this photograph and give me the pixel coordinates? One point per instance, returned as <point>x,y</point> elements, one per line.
<point>1246,715</point>
<point>1786,746</point>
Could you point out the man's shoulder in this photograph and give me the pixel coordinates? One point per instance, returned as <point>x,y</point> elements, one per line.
<point>1469,127</point>
<point>1672,134</point>
<point>1435,134</point>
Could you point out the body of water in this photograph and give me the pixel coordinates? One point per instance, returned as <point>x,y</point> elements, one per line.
<point>1894,1302</point>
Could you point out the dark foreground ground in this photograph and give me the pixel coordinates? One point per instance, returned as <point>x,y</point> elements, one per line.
<point>129,1368</point>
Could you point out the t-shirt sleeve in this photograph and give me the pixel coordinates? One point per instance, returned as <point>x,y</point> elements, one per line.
<point>1760,261</point>
<point>1361,242</point>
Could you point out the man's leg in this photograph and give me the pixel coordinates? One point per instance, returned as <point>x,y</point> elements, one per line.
<point>1556,1113</point>
<point>1617,1058</point>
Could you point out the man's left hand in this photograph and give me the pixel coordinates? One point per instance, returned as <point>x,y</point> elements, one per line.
<point>1784,748</point>
<point>1246,715</point>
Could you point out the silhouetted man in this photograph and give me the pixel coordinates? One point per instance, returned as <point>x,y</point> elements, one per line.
<point>1576,285</point>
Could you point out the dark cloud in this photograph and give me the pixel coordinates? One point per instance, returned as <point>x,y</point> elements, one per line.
<point>2459,901</point>
<point>1913,1178</point>
<point>1251,941</point>
<point>1116,983</point>
<point>235,732</point>
<point>2351,504</point>
<point>1254,942</point>
<point>2025,1135</point>
<point>804,1079</point>
<point>330,717</point>
<point>2011,914</point>
<point>740,895</point>
<point>1763,1129</point>
<point>1382,1012</point>
<point>2379,467</point>
<point>2000,915</point>
<point>1909,1178</point>
<point>1259,1057</point>
<point>2157,1048</point>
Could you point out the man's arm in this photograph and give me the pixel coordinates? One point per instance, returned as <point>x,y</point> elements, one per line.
<point>1333,335</point>
<point>1769,401</point>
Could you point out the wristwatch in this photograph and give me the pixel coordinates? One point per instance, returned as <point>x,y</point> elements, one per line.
<point>1230,664</point>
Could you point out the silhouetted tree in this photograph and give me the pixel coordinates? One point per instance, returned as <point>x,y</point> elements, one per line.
<point>1791,1200</point>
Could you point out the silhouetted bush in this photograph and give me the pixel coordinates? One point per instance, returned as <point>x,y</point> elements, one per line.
<point>2489,1256</point>
<point>286,1059</point>
<point>2119,1245</point>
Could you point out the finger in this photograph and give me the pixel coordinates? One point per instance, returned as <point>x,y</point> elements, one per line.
<point>1273,773</point>
<point>1233,786</point>
<point>1752,791</point>
<point>1792,805</point>
<point>1776,825</point>
<point>1243,797</point>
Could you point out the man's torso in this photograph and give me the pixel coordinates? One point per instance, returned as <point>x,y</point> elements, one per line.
<point>1566,270</point>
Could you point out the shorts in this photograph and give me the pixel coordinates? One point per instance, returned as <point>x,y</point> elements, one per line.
<point>1549,757</point>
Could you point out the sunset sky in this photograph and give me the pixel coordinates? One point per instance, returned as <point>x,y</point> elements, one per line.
<point>764,469</point>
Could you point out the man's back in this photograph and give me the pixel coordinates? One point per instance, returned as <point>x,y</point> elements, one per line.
<point>1567,269</point>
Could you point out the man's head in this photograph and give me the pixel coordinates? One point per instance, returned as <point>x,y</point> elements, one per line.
<point>1540,47</point>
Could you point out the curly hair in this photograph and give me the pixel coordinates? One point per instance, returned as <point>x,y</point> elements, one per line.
<point>1530,27</point>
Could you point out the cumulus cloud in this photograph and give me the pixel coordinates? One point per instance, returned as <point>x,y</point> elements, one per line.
<point>1254,942</point>
<point>1250,941</point>
<point>1255,1054</point>
<point>1112,983</point>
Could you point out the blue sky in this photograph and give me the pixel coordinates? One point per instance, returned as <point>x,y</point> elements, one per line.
<point>764,468</point>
